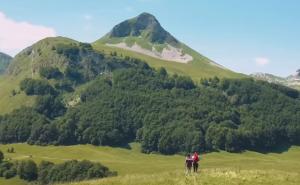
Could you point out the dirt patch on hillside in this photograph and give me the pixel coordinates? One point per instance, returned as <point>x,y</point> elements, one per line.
<point>169,53</point>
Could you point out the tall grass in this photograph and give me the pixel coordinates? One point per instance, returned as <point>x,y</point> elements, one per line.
<point>206,177</point>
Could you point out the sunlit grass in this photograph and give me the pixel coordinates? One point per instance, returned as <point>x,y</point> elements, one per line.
<point>206,177</point>
<point>8,102</point>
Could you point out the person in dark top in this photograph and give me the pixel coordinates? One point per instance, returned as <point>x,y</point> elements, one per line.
<point>188,163</point>
<point>195,162</point>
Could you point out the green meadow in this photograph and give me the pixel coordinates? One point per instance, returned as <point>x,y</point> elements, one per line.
<point>136,168</point>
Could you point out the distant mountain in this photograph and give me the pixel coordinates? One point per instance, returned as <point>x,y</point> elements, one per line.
<point>4,62</point>
<point>145,36</point>
<point>294,80</point>
<point>269,78</point>
<point>290,81</point>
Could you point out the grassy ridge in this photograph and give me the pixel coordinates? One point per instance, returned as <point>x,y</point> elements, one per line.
<point>134,166</point>
<point>196,69</point>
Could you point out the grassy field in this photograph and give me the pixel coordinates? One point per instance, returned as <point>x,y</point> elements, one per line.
<point>13,181</point>
<point>137,168</point>
<point>206,177</point>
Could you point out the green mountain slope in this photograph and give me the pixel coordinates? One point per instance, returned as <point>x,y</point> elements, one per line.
<point>4,62</point>
<point>26,64</point>
<point>47,52</point>
<point>143,37</point>
<point>58,52</point>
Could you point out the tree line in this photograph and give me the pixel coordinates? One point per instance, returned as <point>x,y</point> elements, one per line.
<point>49,173</point>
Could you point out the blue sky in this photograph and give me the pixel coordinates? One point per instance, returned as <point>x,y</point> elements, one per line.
<point>245,36</point>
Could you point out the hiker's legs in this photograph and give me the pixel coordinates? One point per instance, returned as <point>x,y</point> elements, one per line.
<point>189,169</point>
<point>195,167</point>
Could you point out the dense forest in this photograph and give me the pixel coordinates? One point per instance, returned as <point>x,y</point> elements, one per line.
<point>126,100</point>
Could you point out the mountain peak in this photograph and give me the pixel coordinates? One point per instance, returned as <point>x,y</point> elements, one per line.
<point>147,16</point>
<point>144,25</point>
<point>146,20</point>
<point>144,34</point>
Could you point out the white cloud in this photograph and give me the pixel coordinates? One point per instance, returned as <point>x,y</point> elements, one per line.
<point>88,22</point>
<point>262,61</point>
<point>15,36</point>
<point>88,17</point>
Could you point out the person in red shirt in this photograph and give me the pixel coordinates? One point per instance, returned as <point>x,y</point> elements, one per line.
<point>195,162</point>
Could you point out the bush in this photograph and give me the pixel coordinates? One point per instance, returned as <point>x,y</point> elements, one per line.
<point>74,74</point>
<point>10,173</point>
<point>4,166</point>
<point>50,73</point>
<point>36,87</point>
<point>1,156</point>
<point>50,173</point>
<point>27,170</point>
<point>50,106</point>
<point>64,85</point>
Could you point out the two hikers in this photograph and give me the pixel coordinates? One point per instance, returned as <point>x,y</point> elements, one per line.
<point>192,161</point>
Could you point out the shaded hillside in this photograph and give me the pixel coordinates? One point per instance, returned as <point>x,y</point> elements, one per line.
<point>4,62</point>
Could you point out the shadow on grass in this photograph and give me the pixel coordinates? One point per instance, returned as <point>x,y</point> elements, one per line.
<point>124,146</point>
<point>278,149</point>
